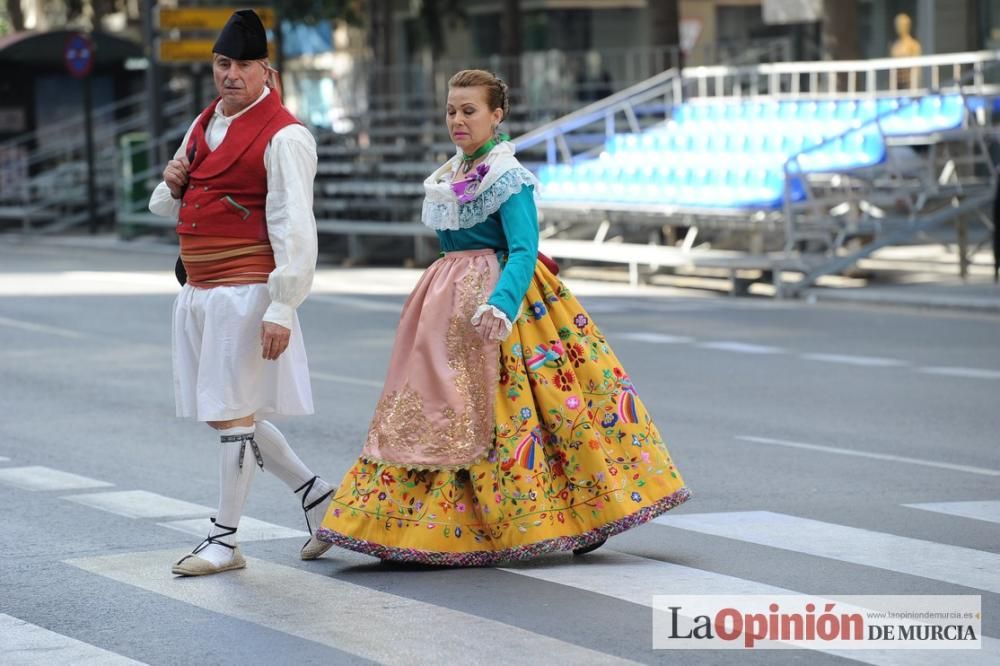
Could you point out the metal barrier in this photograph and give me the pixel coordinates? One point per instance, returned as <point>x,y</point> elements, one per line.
<point>892,202</point>
<point>49,191</point>
<point>838,206</point>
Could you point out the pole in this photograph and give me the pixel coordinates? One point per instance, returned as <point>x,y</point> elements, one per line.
<point>88,129</point>
<point>154,87</point>
<point>197,85</point>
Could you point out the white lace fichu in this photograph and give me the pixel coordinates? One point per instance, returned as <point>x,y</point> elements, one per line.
<point>505,178</point>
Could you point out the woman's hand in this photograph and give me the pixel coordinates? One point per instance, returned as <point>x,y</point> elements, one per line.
<point>490,327</point>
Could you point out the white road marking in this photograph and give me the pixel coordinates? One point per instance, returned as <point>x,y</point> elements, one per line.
<point>871,454</point>
<point>344,379</point>
<point>970,373</point>
<point>846,359</point>
<point>366,622</point>
<point>951,564</point>
<point>358,303</point>
<point>3,459</point>
<point>26,644</point>
<point>250,529</point>
<point>140,504</point>
<point>41,328</point>
<point>37,477</point>
<point>605,308</point>
<point>636,579</point>
<point>658,338</point>
<point>740,347</point>
<point>988,511</point>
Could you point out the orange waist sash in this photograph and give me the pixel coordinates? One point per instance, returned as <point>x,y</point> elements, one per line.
<point>212,261</point>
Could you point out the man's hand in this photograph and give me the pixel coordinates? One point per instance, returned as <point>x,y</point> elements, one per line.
<point>273,340</point>
<point>491,328</point>
<point>176,176</point>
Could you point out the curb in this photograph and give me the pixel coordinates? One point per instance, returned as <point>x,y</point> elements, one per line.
<point>923,301</point>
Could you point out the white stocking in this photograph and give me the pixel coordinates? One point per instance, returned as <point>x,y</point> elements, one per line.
<point>237,464</point>
<point>280,459</point>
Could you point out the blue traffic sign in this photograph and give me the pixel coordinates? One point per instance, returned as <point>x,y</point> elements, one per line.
<point>79,55</point>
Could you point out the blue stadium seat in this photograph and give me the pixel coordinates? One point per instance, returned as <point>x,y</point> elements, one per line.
<point>939,113</point>
<point>732,154</point>
<point>866,110</point>
<point>904,121</point>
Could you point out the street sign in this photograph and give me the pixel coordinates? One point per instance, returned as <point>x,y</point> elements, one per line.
<point>193,50</point>
<point>78,54</point>
<point>207,18</point>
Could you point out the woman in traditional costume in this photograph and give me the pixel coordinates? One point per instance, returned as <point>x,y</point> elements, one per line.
<point>507,428</point>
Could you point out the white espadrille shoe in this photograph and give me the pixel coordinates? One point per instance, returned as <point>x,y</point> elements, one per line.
<point>192,565</point>
<point>314,548</point>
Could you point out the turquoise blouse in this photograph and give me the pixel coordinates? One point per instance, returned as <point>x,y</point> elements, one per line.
<point>513,232</point>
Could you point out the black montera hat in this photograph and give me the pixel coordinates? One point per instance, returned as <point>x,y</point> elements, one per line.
<point>243,37</point>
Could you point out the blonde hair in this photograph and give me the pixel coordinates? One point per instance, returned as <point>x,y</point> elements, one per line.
<point>496,89</point>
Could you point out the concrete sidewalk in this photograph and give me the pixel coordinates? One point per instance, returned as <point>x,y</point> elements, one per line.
<point>921,276</point>
<point>976,295</point>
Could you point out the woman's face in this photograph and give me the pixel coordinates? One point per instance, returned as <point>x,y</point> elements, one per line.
<point>470,119</point>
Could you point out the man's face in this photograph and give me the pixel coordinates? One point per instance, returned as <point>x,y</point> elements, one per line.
<point>239,82</point>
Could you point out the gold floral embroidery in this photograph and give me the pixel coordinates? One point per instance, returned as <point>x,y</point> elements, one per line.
<point>402,431</point>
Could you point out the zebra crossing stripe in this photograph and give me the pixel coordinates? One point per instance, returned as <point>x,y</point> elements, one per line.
<point>251,529</point>
<point>3,459</point>
<point>37,477</point>
<point>26,644</point>
<point>636,579</point>
<point>988,511</point>
<point>358,620</point>
<point>950,564</point>
<point>140,504</point>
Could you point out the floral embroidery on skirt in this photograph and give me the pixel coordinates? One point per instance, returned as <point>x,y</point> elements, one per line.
<point>575,459</point>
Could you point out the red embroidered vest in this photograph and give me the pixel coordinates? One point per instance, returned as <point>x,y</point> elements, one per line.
<point>227,187</point>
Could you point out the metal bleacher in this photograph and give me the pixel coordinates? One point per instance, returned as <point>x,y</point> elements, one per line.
<point>784,169</point>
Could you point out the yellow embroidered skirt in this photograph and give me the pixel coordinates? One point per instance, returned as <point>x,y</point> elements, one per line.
<point>575,459</point>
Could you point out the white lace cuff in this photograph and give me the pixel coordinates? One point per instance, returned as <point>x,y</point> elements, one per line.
<point>498,313</point>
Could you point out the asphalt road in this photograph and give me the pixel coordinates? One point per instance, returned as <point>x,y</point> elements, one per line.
<point>806,433</point>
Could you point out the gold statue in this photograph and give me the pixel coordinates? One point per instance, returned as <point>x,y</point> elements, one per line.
<point>906,47</point>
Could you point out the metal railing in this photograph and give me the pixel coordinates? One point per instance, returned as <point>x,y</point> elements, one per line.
<point>955,176</point>
<point>46,173</point>
<point>874,77</point>
<point>654,99</point>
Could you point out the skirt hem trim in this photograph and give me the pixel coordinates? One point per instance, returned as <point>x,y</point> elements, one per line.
<point>528,551</point>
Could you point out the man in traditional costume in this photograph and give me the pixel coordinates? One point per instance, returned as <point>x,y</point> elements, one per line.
<point>241,189</point>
